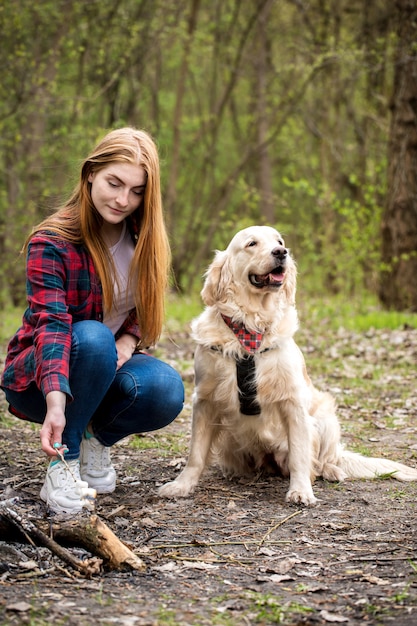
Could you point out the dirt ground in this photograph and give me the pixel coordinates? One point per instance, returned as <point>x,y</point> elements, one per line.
<point>234,552</point>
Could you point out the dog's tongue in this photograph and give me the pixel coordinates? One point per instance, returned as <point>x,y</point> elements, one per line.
<point>273,278</point>
<point>276,278</point>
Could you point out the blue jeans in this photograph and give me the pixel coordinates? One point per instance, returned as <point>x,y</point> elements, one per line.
<point>143,395</point>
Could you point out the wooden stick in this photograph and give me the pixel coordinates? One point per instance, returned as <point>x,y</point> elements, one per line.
<point>88,532</point>
<point>87,568</point>
<point>278,525</point>
<point>98,538</point>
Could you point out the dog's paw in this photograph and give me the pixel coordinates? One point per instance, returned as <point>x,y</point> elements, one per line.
<point>175,489</point>
<point>333,473</point>
<point>295,496</point>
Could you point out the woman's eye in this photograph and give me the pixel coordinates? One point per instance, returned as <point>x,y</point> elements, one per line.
<point>112,184</point>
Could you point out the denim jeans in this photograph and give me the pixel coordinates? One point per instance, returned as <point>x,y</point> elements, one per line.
<point>143,395</point>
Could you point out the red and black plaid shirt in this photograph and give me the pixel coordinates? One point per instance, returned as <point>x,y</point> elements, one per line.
<point>62,288</point>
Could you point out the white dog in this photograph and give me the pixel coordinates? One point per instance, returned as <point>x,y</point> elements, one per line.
<point>254,406</point>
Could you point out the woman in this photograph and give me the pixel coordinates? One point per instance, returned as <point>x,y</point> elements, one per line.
<point>97,271</point>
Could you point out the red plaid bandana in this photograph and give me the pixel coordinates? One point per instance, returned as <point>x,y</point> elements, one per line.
<point>249,340</point>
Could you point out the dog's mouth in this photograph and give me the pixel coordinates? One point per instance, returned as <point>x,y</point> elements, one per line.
<point>275,278</point>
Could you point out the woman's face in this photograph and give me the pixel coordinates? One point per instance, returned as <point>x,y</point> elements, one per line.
<point>117,190</point>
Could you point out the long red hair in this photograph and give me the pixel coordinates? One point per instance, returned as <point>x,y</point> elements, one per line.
<point>77,221</point>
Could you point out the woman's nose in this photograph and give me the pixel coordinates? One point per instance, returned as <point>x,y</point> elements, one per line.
<point>123,197</point>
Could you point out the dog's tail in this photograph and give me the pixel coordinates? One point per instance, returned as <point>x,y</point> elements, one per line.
<point>355,465</point>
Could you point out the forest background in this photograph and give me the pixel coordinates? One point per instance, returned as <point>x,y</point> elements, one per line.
<point>299,114</point>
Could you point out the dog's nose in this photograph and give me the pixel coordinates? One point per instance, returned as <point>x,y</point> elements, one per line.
<point>280,252</point>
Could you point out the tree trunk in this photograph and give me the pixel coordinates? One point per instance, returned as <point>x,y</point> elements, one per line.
<point>398,279</point>
<point>171,192</point>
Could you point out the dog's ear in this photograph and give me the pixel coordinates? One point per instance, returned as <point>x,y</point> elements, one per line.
<point>217,279</point>
<point>290,284</point>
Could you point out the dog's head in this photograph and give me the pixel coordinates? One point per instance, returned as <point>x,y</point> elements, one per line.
<point>256,262</point>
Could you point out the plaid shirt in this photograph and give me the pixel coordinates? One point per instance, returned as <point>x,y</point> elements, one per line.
<point>62,288</point>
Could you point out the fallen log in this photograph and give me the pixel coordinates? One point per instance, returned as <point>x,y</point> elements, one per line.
<point>99,539</point>
<point>83,530</point>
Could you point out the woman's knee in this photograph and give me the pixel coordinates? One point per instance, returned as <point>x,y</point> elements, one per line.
<point>93,337</point>
<point>146,395</point>
<point>172,397</point>
<point>93,346</point>
<point>91,331</point>
<point>154,385</point>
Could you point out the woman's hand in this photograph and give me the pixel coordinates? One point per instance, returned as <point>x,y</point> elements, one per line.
<point>125,346</point>
<point>54,423</point>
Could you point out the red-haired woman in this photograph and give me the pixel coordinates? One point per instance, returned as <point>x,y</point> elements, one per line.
<point>97,272</point>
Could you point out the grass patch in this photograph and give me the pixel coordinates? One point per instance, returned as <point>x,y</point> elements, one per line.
<point>359,314</point>
<point>166,444</point>
<point>10,320</point>
<point>360,448</point>
<point>180,310</point>
<point>167,617</point>
<point>268,608</point>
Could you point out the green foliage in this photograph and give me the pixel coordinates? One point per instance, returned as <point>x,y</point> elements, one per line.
<point>316,148</point>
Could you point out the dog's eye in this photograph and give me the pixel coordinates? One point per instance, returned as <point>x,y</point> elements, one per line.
<point>251,244</point>
<point>281,242</point>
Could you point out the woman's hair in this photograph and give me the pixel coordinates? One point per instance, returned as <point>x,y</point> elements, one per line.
<point>77,221</point>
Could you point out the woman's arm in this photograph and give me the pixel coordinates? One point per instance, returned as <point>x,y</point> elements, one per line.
<point>54,423</point>
<point>48,268</point>
<point>130,326</point>
<point>125,346</point>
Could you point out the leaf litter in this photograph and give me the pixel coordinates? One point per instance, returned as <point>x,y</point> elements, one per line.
<point>234,552</point>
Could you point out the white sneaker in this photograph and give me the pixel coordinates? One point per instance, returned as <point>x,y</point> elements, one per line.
<point>63,489</point>
<point>95,465</point>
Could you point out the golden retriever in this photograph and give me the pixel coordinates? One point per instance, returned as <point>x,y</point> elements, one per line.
<point>254,406</point>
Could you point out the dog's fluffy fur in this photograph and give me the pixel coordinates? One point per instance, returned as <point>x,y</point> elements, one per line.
<point>297,432</point>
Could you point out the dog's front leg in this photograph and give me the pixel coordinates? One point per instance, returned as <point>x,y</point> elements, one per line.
<point>300,456</point>
<point>202,435</point>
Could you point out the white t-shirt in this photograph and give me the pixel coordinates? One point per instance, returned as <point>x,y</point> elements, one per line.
<point>123,302</point>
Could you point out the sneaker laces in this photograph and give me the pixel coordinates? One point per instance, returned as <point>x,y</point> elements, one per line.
<point>69,472</point>
<point>98,456</point>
